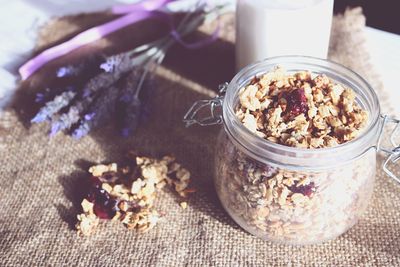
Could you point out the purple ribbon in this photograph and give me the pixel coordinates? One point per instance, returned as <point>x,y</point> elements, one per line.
<point>134,13</point>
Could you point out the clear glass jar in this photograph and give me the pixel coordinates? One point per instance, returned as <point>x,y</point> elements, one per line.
<point>293,195</point>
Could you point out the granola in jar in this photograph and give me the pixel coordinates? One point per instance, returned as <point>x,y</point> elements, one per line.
<point>292,206</point>
<point>300,110</point>
<point>283,201</point>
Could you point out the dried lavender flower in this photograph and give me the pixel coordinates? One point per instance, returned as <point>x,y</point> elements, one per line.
<point>54,106</point>
<point>115,67</point>
<point>99,113</point>
<point>65,121</point>
<point>72,116</point>
<point>39,98</point>
<point>77,69</point>
<point>94,103</point>
<point>50,93</point>
<point>131,117</point>
<point>111,63</point>
<point>69,70</point>
<point>131,108</point>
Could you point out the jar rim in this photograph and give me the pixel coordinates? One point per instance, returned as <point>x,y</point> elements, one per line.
<point>246,138</point>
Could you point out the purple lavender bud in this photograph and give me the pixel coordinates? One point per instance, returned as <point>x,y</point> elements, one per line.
<point>66,120</point>
<point>115,67</point>
<point>55,128</point>
<point>53,106</point>
<point>112,63</point>
<point>99,112</point>
<point>96,87</point>
<point>77,69</point>
<point>125,132</point>
<point>89,116</point>
<point>39,98</point>
<point>81,131</point>
<point>62,72</point>
<point>107,67</point>
<point>131,116</point>
<point>50,93</point>
<point>132,110</point>
<point>39,118</point>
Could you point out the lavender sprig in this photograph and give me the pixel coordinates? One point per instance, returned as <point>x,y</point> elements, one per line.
<point>85,70</point>
<point>131,117</point>
<point>114,68</point>
<point>95,103</point>
<point>54,106</point>
<point>66,120</point>
<point>74,70</point>
<point>130,104</point>
<point>69,70</point>
<point>99,112</point>
<point>50,93</point>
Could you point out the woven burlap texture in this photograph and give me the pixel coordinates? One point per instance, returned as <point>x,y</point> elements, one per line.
<point>40,178</point>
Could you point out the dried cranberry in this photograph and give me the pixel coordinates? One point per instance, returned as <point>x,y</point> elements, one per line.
<point>106,209</point>
<point>101,211</point>
<point>296,102</point>
<point>306,190</point>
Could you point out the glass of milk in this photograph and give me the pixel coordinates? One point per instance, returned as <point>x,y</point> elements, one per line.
<point>268,28</point>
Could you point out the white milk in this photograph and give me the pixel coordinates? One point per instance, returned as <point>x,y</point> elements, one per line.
<point>267,28</point>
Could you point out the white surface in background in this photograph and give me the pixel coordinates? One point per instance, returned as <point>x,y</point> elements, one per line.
<point>384,49</point>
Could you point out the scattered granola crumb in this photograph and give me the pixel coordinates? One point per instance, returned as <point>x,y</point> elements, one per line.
<point>183,204</point>
<point>98,170</point>
<point>300,110</point>
<point>127,194</point>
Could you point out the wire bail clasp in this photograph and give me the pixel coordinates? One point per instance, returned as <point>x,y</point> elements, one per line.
<point>193,115</point>
<point>394,152</point>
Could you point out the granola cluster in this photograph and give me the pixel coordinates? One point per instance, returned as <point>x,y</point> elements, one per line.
<point>300,110</point>
<point>128,194</point>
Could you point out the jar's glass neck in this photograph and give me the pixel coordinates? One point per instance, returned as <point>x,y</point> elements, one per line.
<point>264,150</point>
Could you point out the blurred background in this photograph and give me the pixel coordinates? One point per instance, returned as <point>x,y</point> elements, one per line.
<point>382,14</point>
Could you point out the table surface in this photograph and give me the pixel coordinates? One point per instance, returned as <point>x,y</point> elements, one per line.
<point>385,55</point>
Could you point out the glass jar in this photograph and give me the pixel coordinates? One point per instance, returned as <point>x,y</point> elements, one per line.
<point>286,194</point>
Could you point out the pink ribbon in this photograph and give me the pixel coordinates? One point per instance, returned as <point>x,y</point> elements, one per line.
<point>134,13</point>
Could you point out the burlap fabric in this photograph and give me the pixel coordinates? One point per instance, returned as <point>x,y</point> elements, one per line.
<point>40,178</point>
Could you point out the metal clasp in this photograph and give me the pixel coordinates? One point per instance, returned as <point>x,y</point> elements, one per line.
<point>193,115</point>
<point>394,151</point>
